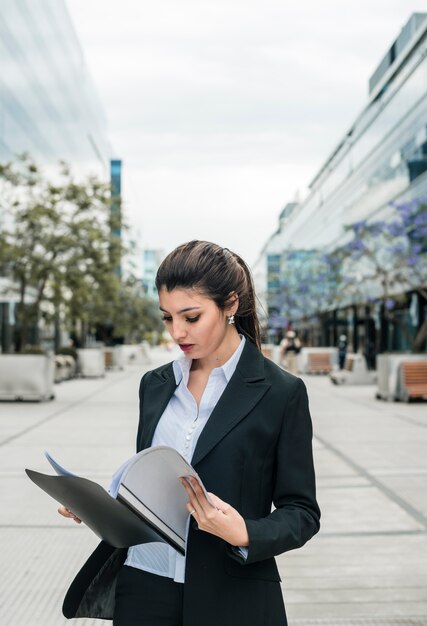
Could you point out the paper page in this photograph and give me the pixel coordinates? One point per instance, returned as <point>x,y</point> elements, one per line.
<point>115,481</point>
<point>59,469</point>
<point>153,477</point>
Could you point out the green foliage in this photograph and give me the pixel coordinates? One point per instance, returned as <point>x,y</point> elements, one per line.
<point>132,314</point>
<point>56,243</point>
<point>67,351</point>
<point>33,350</point>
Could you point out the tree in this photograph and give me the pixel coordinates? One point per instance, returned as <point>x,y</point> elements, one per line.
<point>56,243</point>
<point>132,315</point>
<point>309,283</point>
<point>384,260</point>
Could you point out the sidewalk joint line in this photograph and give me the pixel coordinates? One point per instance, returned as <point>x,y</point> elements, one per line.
<point>60,411</point>
<point>412,511</point>
<point>372,533</point>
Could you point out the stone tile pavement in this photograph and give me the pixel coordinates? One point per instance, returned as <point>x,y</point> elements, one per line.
<point>368,565</point>
<point>370,559</point>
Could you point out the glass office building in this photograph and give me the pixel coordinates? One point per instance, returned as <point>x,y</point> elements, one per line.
<point>48,104</point>
<point>381,159</point>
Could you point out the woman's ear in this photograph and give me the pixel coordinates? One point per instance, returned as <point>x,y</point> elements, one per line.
<point>232,303</point>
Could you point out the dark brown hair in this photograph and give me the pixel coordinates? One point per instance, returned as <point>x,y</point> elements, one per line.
<point>217,273</point>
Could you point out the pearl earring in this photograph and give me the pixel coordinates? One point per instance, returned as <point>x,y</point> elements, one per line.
<point>231,320</point>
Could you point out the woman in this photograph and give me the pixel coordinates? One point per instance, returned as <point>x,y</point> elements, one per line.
<point>289,348</point>
<point>245,426</point>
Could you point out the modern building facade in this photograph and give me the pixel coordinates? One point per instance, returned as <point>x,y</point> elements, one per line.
<point>116,200</point>
<point>48,104</point>
<point>381,159</point>
<point>150,264</point>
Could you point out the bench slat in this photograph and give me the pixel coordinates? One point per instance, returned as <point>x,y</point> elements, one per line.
<point>415,378</point>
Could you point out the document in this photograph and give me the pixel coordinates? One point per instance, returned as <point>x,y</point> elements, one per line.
<point>61,471</point>
<point>146,501</point>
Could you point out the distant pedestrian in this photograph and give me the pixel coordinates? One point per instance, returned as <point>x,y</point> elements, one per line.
<point>370,354</point>
<point>289,348</point>
<point>342,350</point>
<point>245,425</point>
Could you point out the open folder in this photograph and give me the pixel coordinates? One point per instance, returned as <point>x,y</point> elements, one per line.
<point>150,504</point>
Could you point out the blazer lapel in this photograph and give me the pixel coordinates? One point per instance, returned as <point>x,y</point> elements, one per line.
<point>245,389</point>
<point>156,397</point>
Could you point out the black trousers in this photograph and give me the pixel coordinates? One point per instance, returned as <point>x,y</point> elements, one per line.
<point>144,599</point>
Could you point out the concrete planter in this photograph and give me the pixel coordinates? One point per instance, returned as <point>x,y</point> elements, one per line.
<point>137,354</point>
<point>355,372</point>
<point>26,377</point>
<point>388,373</point>
<point>91,363</point>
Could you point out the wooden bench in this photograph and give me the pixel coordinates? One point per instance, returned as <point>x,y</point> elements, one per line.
<point>414,379</point>
<point>108,358</point>
<point>319,363</point>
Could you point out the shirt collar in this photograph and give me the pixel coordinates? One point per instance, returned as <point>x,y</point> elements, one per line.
<point>182,365</point>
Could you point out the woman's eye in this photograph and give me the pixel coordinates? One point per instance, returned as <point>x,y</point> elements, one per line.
<point>193,319</point>
<point>166,319</point>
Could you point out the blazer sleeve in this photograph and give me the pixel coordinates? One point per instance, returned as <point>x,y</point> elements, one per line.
<point>296,517</point>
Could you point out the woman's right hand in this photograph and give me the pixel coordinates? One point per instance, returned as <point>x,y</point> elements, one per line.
<point>67,513</point>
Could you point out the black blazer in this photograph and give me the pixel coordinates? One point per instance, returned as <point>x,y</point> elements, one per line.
<point>254,451</point>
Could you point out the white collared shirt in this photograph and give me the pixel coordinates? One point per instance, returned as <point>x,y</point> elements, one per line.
<point>180,427</point>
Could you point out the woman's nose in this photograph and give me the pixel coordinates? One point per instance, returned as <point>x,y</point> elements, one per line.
<point>178,330</point>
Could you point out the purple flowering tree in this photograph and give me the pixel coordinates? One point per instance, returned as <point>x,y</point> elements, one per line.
<point>309,283</point>
<point>385,259</point>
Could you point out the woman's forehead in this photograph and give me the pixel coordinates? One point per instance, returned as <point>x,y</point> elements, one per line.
<point>179,299</point>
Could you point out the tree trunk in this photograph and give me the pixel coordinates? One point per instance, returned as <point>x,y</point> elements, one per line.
<point>420,338</point>
<point>22,318</point>
<point>57,330</point>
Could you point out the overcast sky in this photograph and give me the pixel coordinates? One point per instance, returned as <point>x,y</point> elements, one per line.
<point>224,110</point>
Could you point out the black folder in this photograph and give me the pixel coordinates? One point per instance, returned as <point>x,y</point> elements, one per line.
<point>150,504</point>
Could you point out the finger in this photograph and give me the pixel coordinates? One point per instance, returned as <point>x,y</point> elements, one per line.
<point>192,511</point>
<point>192,496</point>
<point>62,510</point>
<point>200,494</point>
<point>188,488</point>
<point>192,504</point>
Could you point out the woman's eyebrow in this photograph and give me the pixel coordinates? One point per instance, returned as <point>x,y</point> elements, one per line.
<point>190,308</point>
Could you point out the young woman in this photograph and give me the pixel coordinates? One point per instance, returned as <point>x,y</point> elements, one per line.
<point>245,426</point>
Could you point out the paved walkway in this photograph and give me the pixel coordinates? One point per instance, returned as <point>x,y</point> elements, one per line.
<point>367,566</point>
<point>370,558</point>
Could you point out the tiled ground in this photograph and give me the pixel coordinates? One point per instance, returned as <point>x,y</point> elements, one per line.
<point>367,566</point>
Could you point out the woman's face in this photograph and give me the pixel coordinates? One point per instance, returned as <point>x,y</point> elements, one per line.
<point>195,322</point>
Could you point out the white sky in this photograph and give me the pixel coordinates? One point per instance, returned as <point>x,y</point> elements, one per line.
<point>223,110</point>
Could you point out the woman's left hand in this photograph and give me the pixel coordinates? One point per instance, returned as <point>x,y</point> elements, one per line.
<point>216,517</point>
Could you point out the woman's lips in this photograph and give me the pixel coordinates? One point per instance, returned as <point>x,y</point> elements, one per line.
<point>186,346</point>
